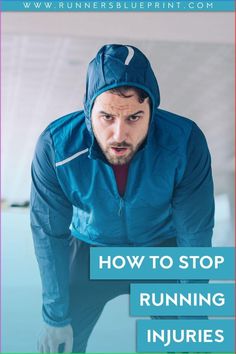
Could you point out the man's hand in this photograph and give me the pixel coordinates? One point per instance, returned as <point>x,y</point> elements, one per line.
<point>51,337</point>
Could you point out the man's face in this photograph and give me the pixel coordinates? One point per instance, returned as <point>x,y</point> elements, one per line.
<point>120,125</point>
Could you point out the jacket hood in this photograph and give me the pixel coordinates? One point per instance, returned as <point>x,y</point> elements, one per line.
<point>119,65</point>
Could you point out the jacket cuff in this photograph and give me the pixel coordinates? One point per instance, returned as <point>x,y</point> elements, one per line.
<point>54,323</point>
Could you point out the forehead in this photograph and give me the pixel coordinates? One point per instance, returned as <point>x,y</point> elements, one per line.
<point>108,100</point>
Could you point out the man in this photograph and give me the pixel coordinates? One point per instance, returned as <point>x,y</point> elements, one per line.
<point>120,173</point>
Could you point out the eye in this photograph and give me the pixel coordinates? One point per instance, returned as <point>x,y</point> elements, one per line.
<point>107,117</point>
<point>134,118</point>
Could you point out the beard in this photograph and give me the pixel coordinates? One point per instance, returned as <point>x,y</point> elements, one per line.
<point>120,160</point>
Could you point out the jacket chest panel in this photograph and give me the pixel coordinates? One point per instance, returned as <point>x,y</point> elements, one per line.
<point>90,186</point>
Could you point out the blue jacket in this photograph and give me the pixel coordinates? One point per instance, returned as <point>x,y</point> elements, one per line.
<point>169,192</point>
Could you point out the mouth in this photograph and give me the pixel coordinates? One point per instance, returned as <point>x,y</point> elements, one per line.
<point>119,150</point>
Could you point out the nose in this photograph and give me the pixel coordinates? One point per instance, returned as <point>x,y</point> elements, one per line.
<point>120,131</point>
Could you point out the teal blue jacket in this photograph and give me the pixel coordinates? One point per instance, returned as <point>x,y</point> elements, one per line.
<point>169,191</point>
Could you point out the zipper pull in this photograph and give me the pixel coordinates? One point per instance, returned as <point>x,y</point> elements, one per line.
<point>120,206</point>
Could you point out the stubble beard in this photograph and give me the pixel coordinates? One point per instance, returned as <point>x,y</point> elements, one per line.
<point>120,160</point>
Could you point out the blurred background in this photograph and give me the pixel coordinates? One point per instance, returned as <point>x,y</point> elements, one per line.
<point>44,61</point>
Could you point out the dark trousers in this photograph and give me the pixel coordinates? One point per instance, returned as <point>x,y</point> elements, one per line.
<point>88,297</point>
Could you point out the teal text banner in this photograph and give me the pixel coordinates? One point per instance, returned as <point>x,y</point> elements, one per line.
<point>117,6</point>
<point>182,300</point>
<point>165,263</point>
<point>202,336</point>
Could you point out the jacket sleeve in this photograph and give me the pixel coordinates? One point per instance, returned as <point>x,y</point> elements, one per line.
<point>193,200</point>
<point>51,215</point>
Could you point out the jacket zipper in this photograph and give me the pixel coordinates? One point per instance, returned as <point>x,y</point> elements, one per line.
<point>121,206</point>
<point>121,199</point>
